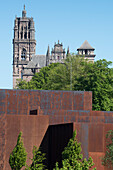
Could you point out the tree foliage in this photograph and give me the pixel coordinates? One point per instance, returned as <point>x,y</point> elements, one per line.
<point>18,156</point>
<point>37,160</point>
<point>72,157</point>
<point>107,160</point>
<point>77,74</point>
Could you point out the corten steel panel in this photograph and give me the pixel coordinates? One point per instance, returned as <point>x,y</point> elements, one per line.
<point>102,113</point>
<point>97,160</point>
<point>97,113</point>
<point>34,99</point>
<point>78,100</point>
<point>97,119</point>
<point>53,120</point>
<point>58,112</point>
<point>107,127</point>
<point>45,99</point>
<point>67,101</point>
<point>56,119</point>
<point>12,102</point>
<point>2,140</point>
<point>108,119</point>
<point>107,113</point>
<point>22,101</point>
<point>96,137</point>
<point>64,112</point>
<point>82,136</point>
<point>84,139</point>
<point>87,101</point>
<point>2,101</point>
<point>56,100</point>
<point>33,129</point>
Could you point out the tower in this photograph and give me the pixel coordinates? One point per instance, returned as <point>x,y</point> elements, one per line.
<point>24,44</point>
<point>87,51</point>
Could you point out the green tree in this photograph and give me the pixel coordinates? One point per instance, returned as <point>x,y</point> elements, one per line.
<point>39,81</point>
<point>77,74</point>
<point>72,157</point>
<point>98,78</point>
<point>107,160</point>
<point>37,160</point>
<point>18,156</point>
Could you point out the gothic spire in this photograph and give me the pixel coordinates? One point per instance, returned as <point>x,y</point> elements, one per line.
<point>68,50</point>
<point>48,51</point>
<point>24,13</point>
<point>48,48</point>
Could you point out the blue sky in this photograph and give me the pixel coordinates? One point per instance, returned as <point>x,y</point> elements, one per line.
<point>70,21</point>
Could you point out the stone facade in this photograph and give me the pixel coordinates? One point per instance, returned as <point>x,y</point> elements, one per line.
<point>24,44</point>
<point>58,54</point>
<point>25,62</point>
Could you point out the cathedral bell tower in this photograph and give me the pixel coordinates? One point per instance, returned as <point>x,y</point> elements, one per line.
<point>24,44</point>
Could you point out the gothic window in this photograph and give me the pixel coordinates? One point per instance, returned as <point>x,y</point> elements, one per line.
<point>18,34</point>
<point>29,35</point>
<point>29,25</point>
<point>23,54</point>
<point>25,35</point>
<point>21,35</point>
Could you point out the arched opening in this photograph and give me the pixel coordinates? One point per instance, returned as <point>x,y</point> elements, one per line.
<point>23,54</point>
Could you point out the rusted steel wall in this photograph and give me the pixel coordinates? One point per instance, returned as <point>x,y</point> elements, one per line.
<point>53,108</point>
<point>33,130</point>
<point>2,140</point>
<point>22,101</point>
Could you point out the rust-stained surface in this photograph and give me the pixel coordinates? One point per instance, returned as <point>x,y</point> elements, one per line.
<point>56,109</point>
<point>33,129</point>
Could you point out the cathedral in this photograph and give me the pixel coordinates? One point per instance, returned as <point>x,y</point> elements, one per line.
<point>25,62</point>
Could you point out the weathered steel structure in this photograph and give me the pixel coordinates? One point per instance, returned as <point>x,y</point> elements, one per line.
<point>48,119</point>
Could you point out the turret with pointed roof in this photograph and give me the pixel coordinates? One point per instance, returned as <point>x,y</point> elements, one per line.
<point>87,51</point>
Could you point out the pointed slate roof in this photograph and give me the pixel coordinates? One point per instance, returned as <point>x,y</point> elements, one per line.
<point>27,72</point>
<point>38,61</point>
<point>31,64</point>
<point>86,45</point>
